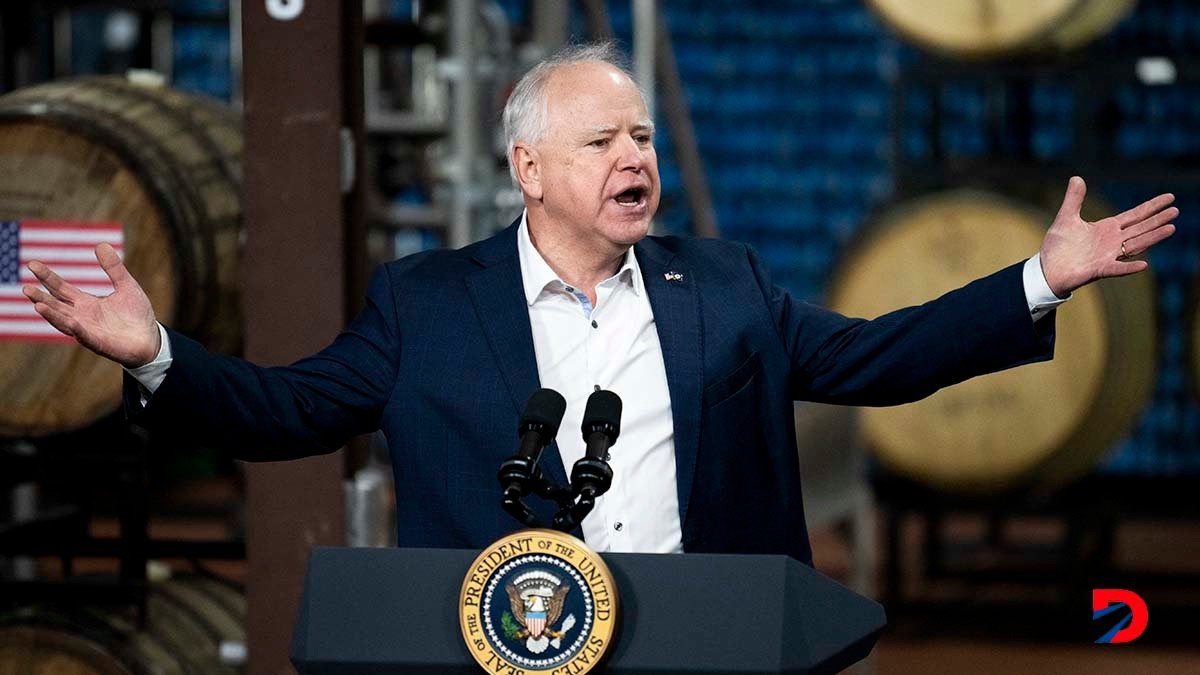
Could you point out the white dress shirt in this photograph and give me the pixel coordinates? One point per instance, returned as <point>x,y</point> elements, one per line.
<point>613,345</point>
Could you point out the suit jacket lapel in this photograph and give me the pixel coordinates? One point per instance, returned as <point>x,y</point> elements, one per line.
<point>499,298</point>
<point>676,307</point>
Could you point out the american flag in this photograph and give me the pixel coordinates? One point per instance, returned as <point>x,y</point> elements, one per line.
<point>67,247</point>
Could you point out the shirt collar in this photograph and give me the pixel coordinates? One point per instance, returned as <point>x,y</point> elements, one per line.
<point>536,273</point>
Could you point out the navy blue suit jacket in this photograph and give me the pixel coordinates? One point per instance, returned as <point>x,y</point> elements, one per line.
<point>442,360</point>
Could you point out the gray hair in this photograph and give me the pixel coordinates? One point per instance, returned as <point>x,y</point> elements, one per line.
<point>526,112</point>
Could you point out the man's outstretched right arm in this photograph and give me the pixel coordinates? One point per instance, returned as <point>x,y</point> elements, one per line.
<point>256,413</point>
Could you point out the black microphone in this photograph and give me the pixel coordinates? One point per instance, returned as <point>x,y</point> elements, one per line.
<point>539,423</point>
<point>592,476</point>
<point>538,427</point>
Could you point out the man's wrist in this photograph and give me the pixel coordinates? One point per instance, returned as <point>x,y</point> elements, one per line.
<point>1040,298</point>
<point>1045,278</point>
<point>152,374</point>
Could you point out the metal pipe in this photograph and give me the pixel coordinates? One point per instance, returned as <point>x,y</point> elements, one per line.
<point>62,43</point>
<point>597,19</point>
<point>464,129</point>
<point>551,24</point>
<point>645,38</point>
<point>372,61</point>
<point>235,55</point>
<point>162,44</point>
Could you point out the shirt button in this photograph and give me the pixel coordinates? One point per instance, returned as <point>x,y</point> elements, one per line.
<point>618,526</point>
<point>594,324</point>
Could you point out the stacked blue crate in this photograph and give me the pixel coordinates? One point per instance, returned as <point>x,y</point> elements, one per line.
<point>1053,110</point>
<point>1158,26</point>
<point>963,128</point>
<point>791,104</point>
<point>399,9</point>
<point>202,51</point>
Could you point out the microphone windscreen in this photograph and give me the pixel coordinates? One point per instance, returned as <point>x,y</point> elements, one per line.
<point>603,411</point>
<point>546,408</point>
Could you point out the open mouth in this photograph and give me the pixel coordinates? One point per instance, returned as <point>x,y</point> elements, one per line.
<point>634,196</point>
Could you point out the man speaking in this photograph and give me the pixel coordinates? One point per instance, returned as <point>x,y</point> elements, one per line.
<point>706,353</point>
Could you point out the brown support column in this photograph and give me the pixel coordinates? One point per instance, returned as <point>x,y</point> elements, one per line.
<point>295,282</point>
<point>355,202</point>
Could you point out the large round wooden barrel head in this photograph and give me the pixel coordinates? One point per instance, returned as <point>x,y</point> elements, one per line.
<point>156,167</point>
<point>990,28</point>
<point>975,27</point>
<point>996,431</point>
<point>53,174</point>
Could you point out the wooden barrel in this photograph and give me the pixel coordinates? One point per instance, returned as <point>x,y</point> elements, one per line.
<point>163,164</point>
<point>187,622</point>
<point>1037,425</point>
<point>991,28</point>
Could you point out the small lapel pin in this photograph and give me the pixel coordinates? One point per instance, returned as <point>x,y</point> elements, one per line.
<point>673,276</point>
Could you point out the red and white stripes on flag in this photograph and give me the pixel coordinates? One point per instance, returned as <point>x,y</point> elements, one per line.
<point>536,623</point>
<point>68,248</point>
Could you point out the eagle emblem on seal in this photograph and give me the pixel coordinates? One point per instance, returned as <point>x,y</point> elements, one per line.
<point>537,600</point>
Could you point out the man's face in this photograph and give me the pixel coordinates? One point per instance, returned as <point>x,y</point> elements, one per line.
<point>597,170</point>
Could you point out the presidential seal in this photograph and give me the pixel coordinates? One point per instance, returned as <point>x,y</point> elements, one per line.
<point>538,601</point>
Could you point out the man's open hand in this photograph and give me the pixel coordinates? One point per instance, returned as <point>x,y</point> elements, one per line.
<point>1076,252</point>
<point>120,326</point>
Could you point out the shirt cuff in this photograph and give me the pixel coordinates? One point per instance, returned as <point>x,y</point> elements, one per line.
<point>1038,295</point>
<point>151,375</point>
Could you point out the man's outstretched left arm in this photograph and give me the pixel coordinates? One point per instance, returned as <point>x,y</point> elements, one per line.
<point>988,325</point>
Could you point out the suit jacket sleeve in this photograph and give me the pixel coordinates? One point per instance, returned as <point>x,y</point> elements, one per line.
<point>310,407</point>
<point>910,353</point>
